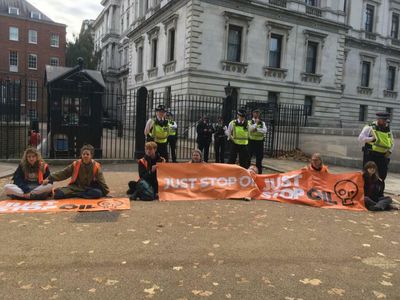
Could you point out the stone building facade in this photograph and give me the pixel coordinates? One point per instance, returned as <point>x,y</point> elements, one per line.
<point>340,58</point>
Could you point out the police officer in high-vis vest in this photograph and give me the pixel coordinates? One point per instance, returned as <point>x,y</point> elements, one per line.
<point>378,143</point>
<point>173,135</point>
<point>257,131</point>
<point>238,134</point>
<point>157,130</point>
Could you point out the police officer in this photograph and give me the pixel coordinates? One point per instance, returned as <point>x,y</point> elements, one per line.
<point>378,143</point>
<point>157,130</point>
<point>173,136</point>
<point>238,134</point>
<point>205,131</point>
<point>257,131</point>
<point>219,140</point>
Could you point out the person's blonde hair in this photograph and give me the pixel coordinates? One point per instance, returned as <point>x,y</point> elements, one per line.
<point>150,145</point>
<point>24,159</point>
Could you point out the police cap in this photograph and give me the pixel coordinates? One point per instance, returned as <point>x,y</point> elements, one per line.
<point>161,108</point>
<point>241,112</point>
<point>382,115</point>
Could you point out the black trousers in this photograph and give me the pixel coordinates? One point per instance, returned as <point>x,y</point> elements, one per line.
<point>162,149</point>
<point>256,148</point>
<point>243,153</point>
<point>381,161</point>
<point>204,147</point>
<point>383,203</point>
<point>172,139</point>
<point>219,147</point>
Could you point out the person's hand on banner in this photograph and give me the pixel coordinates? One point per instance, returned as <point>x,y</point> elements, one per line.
<point>45,182</point>
<point>153,168</point>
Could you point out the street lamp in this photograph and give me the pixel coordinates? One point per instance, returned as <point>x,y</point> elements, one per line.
<point>228,90</point>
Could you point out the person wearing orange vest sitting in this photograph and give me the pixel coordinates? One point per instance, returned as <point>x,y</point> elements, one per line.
<point>317,164</point>
<point>147,186</point>
<point>87,179</point>
<point>28,178</point>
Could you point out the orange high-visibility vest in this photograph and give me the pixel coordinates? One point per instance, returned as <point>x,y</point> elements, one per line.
<point>324,169</point>
<point>143,162</point>
<point>41,170</point>
<point>77,165</point>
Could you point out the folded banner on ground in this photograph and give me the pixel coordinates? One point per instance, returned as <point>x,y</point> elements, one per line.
<point>81,205</point>
<point>340,191</point>
<point>204,182</point>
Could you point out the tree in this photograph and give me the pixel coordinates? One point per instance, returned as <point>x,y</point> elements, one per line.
<point>83,46</point>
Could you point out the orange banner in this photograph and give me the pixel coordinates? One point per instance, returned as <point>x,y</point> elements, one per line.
<point>81,205</point>
<point>204,182</point>
<point>340,191</point>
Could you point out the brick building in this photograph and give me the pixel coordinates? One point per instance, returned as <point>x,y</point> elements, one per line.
<point>29,41</point>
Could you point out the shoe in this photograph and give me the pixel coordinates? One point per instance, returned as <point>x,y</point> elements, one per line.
<point>15,197</point>
<point>42,196</point>
<point>395,206</point>
<point>375,208</point>
<point>129,192</point>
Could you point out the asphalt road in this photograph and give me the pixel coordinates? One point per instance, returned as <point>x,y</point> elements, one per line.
<point>220,249</point>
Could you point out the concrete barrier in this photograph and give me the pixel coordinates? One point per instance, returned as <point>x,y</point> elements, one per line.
<point>339,146</point>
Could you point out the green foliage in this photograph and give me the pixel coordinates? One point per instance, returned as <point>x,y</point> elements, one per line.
<point>82,46</point>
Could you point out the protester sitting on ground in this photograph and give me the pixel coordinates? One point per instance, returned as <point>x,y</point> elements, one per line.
<point>316,164</point>
<point>196,157</point>
<point>147,186</point>
<point>87,179</point>
<point>29,177</point>
<point>373,189</point>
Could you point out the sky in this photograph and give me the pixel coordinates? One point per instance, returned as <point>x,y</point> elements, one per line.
<point>69,12</point>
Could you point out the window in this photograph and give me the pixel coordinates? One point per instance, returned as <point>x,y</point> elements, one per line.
<point>273,98</point>
<point>391,78</point>
<point>126,50</point>
<point>32,90</point>
<point>363,113</point>
<point>150,98</point>
<point>36,15</point>
<point>14,34</point>
<point>308,105</point>
<point>32,114</point>
<point>171,45</point>
<point>55,40</point>
<point>369,18</point>
<point>32,36</point>
<point>13,61</point>
<point>389,110</point>
<point>154,53</point>
<point>365,73</point>
<point>312,52</point>
<point>140,60</point>
<point>394,33</point>
<point>13,11</point>
<point>54,61</point>
<point>32,61</point>
<point>234,43</point>
<point>312,2</point>
<point>275,50</point>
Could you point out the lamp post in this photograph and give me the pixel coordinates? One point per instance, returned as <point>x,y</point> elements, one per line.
<point>227,115</point>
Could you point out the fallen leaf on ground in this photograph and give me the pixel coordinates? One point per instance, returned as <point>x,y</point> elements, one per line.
<point>111,282</point>
<point>336,291</point>
<point>93,290</point>
<point>386,283</point>
<point>146,242</point>
<point>178,268</point>
<point>202,293</point>
<point>47,287</point>
<point>152,290</point>
<point>311,281</point>
<point>366,245</point>
<point>379,295</point>
<point>26,287</point>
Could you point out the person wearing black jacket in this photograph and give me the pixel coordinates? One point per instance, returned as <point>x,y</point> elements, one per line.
<point>373,189</point>
<point>219,140</point>
<point>146,188</point>
<point>28,178</point>
<point>205,131</point>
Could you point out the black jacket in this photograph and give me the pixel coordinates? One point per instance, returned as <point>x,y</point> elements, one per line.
<point>145,173</point>
<point>22,182</point>
<point>204,132</point>
<point>373,189</point>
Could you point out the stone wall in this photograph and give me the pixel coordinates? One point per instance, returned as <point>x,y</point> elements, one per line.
<point>13,138</point>
<point>340,146</point>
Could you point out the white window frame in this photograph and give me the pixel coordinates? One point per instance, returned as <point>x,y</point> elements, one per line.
<point>13,10</point>
<point>316,37</point>
<point>57,44</point>
<point>13,68</point>
<point>139,43</point>
<point>284,31</point>
<point>240,20</point>
<point>36,13</point>
<point>367,57</point>
<point>32,55</point>
<point>54,58</point>
<point>375,4</point>
<point>31,41</point>
<point>32,97</point>
<point>151,36</point>
<point>11,34</point>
